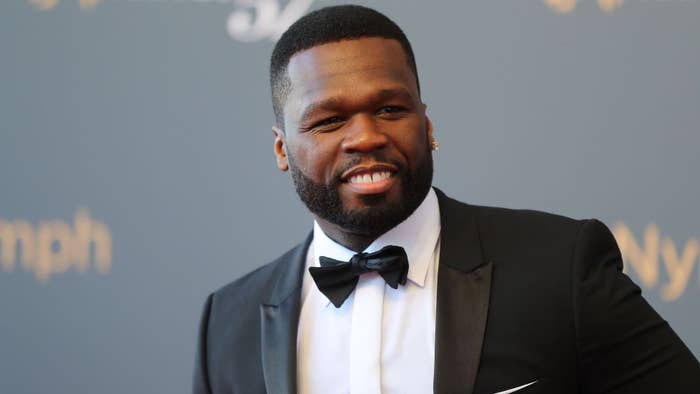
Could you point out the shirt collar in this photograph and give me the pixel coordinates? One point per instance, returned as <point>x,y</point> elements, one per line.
<point>418,235</point>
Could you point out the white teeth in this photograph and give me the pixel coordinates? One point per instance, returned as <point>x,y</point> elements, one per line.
<point>370,178</point>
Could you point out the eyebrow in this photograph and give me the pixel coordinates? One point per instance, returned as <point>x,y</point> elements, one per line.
<point>331,103</point>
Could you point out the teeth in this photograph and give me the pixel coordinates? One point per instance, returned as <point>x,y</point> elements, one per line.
<point>369,178</point>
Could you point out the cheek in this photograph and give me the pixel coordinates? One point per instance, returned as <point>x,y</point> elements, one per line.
<point>315,157</point>
<point>414,145</point>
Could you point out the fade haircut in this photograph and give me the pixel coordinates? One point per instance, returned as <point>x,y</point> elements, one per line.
<point>326,25</point>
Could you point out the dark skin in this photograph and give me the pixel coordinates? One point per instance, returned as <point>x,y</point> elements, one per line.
<point>351,102</point>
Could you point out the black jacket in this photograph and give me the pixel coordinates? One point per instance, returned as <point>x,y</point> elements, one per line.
<point>522,296</point>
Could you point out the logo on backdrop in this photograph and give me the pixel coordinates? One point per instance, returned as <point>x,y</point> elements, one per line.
<point>52,247</point>
<point>46,5</point>
<point>256,20</point>
<point>567,6</point>
<point>642,258</point>
<point>251,20</point>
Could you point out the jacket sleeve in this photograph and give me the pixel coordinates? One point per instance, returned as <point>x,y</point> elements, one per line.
<point>624,346</point>
<point>201,374</point>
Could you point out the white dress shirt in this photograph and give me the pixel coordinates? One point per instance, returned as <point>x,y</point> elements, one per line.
<point>381,340</point>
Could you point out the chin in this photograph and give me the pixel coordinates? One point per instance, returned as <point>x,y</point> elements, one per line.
<point>375,218</point>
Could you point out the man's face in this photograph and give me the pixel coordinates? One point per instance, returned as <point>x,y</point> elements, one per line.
<point>356,136</point>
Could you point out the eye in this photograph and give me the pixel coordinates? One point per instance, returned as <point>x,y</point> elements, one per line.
<point>327,123</point>
<point>391,111</point>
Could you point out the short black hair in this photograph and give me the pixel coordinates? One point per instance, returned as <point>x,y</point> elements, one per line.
<point>326,25</point>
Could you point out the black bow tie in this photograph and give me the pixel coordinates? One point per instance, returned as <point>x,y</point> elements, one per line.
<point>337,279</point>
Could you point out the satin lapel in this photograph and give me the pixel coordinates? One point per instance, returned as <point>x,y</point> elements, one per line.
<point>464,286</point>
<point>279,317</point>
<point>462,307</point>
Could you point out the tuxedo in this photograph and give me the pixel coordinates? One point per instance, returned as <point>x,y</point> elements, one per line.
<point>524,298</point>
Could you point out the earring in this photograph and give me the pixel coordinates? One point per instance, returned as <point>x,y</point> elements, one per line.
<point>434,144</point>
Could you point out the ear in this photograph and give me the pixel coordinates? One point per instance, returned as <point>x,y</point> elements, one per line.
<point>280,149</point>
<point>428,124</point>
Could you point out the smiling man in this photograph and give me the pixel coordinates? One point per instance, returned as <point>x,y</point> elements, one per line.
<point>400,289</point>
<point>358,145</point>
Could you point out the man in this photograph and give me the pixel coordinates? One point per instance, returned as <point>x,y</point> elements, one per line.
<point>400,289</point>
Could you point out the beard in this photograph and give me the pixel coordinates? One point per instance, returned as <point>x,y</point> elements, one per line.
<point>378,216</point>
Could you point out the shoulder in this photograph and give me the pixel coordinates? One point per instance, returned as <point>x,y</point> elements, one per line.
<point>534,234</point>
<point>522,218</point>
<point>508,221</point>
<point>506,233</point>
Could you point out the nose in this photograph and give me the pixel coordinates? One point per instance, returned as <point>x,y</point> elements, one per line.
<point>363,135</point>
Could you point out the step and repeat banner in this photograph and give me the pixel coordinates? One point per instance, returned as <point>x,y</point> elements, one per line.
<point>137,173</point>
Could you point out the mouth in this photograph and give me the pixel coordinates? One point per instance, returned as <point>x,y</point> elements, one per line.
<point>370,179</point>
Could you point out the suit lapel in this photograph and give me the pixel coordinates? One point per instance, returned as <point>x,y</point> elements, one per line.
<point>279,317</point>
<point>464,285</point>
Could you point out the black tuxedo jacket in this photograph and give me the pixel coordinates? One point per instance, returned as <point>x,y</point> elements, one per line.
<point>522,296</point>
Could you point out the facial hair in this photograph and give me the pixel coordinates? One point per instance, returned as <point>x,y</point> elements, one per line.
<point>378,216</point>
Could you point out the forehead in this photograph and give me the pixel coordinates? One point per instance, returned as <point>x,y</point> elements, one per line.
<point>349,66</point>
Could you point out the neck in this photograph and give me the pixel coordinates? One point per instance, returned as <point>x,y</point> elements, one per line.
<point>353,241</point>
